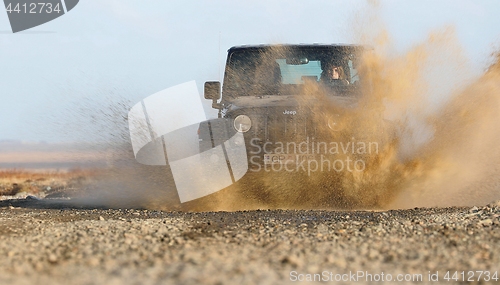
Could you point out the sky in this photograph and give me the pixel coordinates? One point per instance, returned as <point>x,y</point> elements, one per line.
<point>57,79</point>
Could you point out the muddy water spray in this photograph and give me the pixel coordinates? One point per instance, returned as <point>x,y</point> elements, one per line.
<point>441,137</point>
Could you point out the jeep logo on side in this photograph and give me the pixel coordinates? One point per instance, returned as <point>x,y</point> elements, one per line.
<point>286,112</point>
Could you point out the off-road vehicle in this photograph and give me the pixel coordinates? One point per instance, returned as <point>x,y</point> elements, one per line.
<point>270,94</point>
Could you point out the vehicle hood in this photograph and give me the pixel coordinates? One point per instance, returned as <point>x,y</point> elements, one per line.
<point>271,101</point>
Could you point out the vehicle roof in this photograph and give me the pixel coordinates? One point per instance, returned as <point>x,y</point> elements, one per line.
<point>314,45</point>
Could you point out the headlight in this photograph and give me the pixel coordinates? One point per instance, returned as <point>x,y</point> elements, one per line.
<point>334,123</point>
<point>242,123</point>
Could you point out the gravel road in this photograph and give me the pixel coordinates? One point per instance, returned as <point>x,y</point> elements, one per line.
<point>47,243</point>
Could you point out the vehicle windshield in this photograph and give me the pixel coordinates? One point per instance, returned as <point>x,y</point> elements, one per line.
<point>254,72</point>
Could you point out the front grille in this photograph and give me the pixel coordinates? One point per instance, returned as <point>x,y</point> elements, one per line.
<point>276,127</point>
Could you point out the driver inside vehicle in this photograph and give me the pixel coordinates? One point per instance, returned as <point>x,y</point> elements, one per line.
<point>334,74</point>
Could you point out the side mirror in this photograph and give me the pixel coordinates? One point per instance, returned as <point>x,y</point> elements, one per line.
<point>212,92</point>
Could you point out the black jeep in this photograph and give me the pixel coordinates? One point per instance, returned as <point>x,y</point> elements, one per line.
<point>270,94</point>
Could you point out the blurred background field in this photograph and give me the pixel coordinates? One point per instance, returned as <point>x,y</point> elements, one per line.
<point>44,170</point>
<point>42,183</point>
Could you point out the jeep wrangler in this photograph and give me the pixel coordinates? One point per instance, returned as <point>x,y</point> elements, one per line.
<point>268,95</point>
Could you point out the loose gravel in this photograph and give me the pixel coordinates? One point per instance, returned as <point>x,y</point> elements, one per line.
<point>59,245</point>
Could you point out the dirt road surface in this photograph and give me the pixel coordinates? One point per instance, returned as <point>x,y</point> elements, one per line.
<point>53,243</point>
